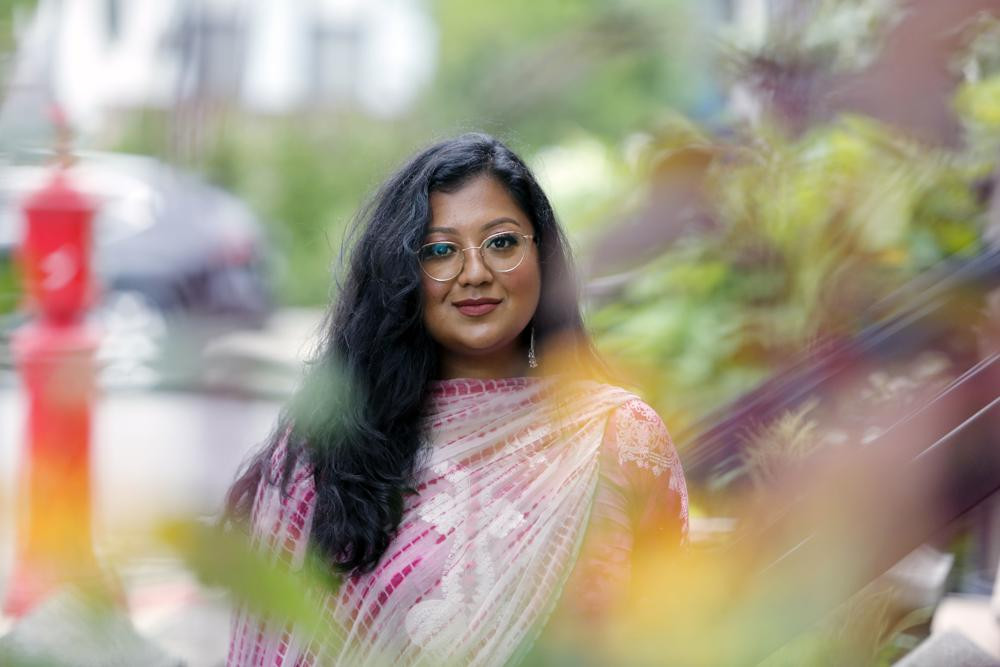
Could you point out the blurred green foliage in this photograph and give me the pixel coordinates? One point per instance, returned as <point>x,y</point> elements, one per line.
<point>538,71</point>
<point>809,232</point>
<point>808,229</point>
<point>831,34</point>
<point>227,559</point>
<point>10,285</point>
<point>534,74</point>
<point>305,177</point>
<point>11,11</point>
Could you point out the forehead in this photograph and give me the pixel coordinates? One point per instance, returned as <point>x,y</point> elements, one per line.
<point>474,205</point>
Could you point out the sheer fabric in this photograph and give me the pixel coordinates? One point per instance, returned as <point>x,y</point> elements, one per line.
<point>517,472</point>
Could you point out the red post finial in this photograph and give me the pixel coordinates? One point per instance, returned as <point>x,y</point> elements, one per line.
<point>64,136</point>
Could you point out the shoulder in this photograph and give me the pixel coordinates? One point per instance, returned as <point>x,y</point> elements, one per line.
<point>637,413</point>
<point>639,437</point>
<point>649,463</point>
<point>283,507</point>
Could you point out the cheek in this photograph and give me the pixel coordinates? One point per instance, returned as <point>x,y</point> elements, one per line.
<point>433,291</point>
<point>433,294</point>
<point>526,287</point>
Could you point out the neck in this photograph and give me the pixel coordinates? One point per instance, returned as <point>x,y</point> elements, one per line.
<point>485,367</point>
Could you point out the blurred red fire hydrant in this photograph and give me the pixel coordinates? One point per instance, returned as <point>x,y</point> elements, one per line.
<point>55,356</point>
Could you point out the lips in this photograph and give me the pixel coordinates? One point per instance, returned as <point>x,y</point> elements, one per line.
<point>476,307</point>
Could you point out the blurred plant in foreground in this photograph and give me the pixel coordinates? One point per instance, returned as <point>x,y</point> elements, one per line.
<point>227,559</point>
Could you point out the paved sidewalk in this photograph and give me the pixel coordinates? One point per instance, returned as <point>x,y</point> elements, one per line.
<point>169,621</point>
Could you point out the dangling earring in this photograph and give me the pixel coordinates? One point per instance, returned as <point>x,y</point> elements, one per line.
<point>532,362</point>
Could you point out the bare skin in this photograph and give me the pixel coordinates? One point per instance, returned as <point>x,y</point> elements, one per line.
<point>480,346</point>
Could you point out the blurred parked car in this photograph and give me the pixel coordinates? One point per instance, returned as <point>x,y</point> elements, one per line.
<point>177,262</point>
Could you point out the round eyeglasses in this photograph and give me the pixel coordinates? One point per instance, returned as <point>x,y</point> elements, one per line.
<point>503,252</point>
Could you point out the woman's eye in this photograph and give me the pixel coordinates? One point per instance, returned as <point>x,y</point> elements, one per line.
<point>502,241</point>
<point>437,250</point>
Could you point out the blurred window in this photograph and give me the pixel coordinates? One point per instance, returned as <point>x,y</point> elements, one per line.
<point>335,59</point>
<point>113,19</point>
<point>211,46</point>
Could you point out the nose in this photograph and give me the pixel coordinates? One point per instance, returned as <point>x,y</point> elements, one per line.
<point>474,269</point>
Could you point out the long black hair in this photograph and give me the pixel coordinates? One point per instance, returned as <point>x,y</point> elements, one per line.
<point>356,417</point>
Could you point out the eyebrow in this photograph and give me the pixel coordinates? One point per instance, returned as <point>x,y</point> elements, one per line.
<point>488,225</point>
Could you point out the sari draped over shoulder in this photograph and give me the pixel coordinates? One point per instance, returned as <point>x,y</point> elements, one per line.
<point>505,488</point>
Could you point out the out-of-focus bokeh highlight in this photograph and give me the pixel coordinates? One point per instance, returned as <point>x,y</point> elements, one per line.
<point>787,220</point>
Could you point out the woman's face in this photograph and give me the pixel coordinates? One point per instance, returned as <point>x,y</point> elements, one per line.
<point>475,343</point>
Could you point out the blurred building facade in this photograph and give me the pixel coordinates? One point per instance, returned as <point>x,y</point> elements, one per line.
<point>95,57</point>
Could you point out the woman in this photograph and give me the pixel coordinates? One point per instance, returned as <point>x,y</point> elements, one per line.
<point>454,482</point>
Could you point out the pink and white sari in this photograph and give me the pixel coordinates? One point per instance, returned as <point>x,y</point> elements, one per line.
<point>516,472</point>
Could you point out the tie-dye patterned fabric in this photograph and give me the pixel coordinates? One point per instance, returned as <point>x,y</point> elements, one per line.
<point>516,471</point>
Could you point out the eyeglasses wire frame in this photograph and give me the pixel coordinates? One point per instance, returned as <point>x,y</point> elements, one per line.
<point>480,248</point>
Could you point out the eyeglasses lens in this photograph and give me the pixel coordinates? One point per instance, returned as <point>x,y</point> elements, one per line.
<point>444,260</point>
